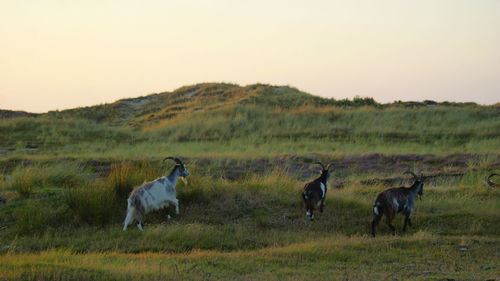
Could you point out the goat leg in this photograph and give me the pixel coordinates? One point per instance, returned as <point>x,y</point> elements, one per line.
<point>167,211</point>
<point>376,220</point>
<point>406,222</point>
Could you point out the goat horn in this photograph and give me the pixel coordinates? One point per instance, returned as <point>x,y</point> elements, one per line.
<point>322,166</point>
<point>177,160</point>
<point>489,177</point>
<point>411,173</point>
<point>490,182</point>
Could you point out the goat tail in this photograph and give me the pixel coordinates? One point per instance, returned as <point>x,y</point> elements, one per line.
<point>304,199</point>
<point>130,214</point>
<point>376,210</point>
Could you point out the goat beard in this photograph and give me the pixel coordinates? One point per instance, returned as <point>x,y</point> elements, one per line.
<point>184,180</point>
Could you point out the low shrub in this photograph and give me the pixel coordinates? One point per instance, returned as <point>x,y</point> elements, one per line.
<point>32,217</point>
<point>125,176</point>
<point>64,175</point>
<point>25,179</point>
<point>92,204</point>
<point>121,179</point>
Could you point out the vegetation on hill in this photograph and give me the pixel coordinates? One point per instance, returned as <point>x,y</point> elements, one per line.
<point>256,119</point>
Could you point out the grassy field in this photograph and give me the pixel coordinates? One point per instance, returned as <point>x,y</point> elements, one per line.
<point>65,177</point>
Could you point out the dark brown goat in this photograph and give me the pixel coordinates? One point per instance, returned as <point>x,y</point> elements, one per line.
<point>396,200</point>
<point>315,192</point>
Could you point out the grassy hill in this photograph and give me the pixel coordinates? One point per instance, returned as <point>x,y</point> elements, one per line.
<point>136,112</point>
<point>65,176</point>
<point>256,120</point>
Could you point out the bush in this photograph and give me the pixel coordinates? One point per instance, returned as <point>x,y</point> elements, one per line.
<point>124,177</point>
<point>92,204</point>
<point>64,175</point>
<point>121,179</point>
<point>25,179</point>
<point>32,217</point>
<point>196,192</point>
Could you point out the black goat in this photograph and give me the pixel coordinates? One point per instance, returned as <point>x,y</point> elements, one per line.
<point>397,200</point>
<point>315,192</point>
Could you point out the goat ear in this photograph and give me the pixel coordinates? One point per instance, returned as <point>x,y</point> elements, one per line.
<point>328,166</point>
<point>177,160</point>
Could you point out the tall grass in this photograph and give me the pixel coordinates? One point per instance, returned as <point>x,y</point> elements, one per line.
<point>92,204</point>
<point>120,180</point>
<point>45,134</point>
<point>125,176</point>
<point>233,126</point>
<point>32,217</point>
<point>25,180</point>
<point>102,202</point>
<point>64,175</point>
<point>364,124</point>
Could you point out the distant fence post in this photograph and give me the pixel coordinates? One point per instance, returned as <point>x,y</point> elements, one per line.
<point>131,138</point>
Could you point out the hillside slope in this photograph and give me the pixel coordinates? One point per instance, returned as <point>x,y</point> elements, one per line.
<point>206,96</point>
<point>255,119</point>
<point>200,97</point>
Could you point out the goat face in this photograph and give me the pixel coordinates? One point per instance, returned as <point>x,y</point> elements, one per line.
<point>183,172</point>
<point>420,188</point>
<point>325,174</point>
<point>180,168</point>
<point>419,183</point>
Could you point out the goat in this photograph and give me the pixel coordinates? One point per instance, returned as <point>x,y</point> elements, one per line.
<point>154,195</point>
<point>397,200</point>
<point>315,192</point>
<point>491,183</point>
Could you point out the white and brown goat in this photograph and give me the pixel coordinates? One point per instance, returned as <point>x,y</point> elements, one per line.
<point>397,200</point>
<point>155,195</point>
<point>314,192</point>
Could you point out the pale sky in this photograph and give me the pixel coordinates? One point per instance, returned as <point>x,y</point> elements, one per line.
<point>59,54</point>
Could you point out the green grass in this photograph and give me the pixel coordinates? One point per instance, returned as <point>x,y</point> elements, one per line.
<point>255,228</point>
<point>330,258</point>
